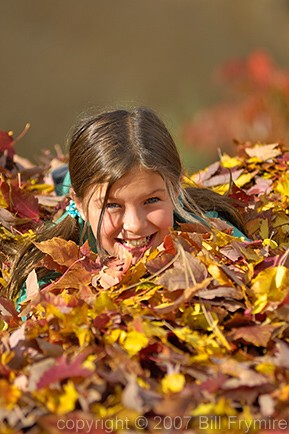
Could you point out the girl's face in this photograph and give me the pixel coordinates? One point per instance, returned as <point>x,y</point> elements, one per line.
<point>137,216</point>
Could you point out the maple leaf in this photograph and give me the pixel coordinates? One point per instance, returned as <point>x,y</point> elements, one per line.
<point>61,251</point>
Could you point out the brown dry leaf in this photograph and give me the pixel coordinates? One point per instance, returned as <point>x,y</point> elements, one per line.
<point>221,292</point>
<point>61,251</point>
<point>258,335</point>
<point>186,272</point>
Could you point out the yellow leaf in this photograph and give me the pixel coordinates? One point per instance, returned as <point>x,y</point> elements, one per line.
<point>134,342</point>
<point>270,243</point>
<point>116,334</point>
<point>253,161</point>
<point>281,276</point>
<point>142,383</point>
<point>9,395</point>
<point>266,368</point>
<point>154,328</point>
<point>47,188</point>
<point>270,285</point>
<point>103,303</point>
<point>3,325</point>
<point>282,185</point>
<point>57,401</point>
<point>3,203</point>
<point>230,162</point>
<point>83,334</point>
<point>283,394</point>
<point>89,363</point>
<point>281,220</point>
<point>67,399</point>
<point>219,275</point>
<point>103,411</point>
<point>206,344</point>
<point>264,229</point>
<point>54,312</point>
<point>222,189</point>
<point>199,358</point>
<point>244,179</point>
<point>3,282</point>
<point>268,205</point>
<point>173,382</point>
<point>221,407</point>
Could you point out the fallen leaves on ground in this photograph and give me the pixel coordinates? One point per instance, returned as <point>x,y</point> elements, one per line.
<point>193,338</point>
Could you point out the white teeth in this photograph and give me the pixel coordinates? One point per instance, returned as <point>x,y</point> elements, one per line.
<point>136,243</point>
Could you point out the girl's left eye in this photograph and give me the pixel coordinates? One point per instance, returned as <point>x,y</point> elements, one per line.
<point>112,205</point>
<point>152,200</point>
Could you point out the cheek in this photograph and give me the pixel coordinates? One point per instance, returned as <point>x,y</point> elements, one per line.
<point>109,230</point>
<point>106,232</point>
<point>110,224</point>
<point>163,219</point>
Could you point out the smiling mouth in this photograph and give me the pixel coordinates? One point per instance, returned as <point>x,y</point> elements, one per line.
<point>139,243</point>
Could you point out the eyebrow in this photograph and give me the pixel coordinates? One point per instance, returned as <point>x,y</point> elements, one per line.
<point>158,190</point>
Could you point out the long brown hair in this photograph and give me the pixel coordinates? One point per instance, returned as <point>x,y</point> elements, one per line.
<point>102,149</point>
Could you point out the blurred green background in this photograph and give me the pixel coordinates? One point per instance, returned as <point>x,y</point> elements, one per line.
<point>62,57</point>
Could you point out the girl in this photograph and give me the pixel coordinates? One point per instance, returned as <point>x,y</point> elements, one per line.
<point>126,176</point>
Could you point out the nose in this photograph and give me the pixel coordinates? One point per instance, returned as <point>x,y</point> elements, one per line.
<point>133,221</point>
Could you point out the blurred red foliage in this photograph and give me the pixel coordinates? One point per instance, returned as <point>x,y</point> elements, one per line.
<point>257,109</point>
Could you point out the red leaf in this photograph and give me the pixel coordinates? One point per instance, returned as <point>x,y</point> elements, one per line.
<point>169,245</point>
<point>7,309</point>
<point>21,202</point>
<point>6,143</point>
<point>101,320</point>
<point>240,195</point>
<point>64,369</point>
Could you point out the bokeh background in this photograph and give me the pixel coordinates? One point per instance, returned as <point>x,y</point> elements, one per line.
<point>61,58</point>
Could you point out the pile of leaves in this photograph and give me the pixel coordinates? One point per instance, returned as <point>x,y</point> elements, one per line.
<point>193,338</point>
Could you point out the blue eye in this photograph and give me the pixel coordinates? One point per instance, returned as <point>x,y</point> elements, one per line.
<point>112,205</point>
<point>152,200</point>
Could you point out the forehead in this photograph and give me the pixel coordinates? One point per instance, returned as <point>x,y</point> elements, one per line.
<point>138,181</point>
